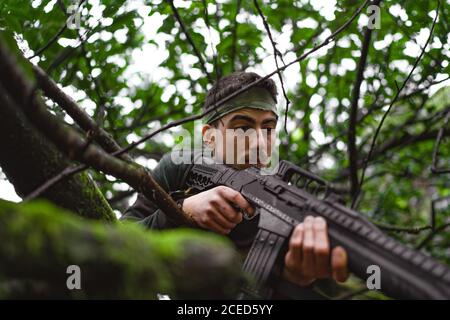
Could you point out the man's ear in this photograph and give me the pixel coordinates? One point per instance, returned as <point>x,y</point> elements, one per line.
<point>208,134</point>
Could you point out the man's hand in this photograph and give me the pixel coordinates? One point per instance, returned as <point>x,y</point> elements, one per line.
<point>309,256</point>
<point>212,209</point>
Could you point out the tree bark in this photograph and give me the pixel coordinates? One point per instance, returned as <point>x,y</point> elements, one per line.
<point>52,91</point>
<point>16,83</point>
<point>38,242</point>
<point>28,160</point>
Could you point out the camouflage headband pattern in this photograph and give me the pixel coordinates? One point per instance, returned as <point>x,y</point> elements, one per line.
<point>257,98</point>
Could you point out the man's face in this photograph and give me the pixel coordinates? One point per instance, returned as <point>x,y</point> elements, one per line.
<point>243,138</point>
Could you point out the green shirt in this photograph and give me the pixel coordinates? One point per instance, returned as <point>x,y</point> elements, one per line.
<point>172,178</point>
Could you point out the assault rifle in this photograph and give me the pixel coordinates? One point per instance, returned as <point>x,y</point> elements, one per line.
<point>284,199</point>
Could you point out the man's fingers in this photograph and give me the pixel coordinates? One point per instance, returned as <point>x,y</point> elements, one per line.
<point>297,278</point>
<point>215,226</point>
<point>236,198</point>
<point>293,257</point>
<point>321,248</point>
<point>228,212</point>
<point>213,220</point>
<point>222,221</point>
<point>215,215</point>
<point>308,257</point>
<point>308,263</point>
<point>339,264</point>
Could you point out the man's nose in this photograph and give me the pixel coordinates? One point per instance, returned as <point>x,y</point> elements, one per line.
<point>261,139</point>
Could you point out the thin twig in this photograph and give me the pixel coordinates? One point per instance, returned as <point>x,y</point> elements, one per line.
<point>234,35</point>
<point>67,172</point>
<point>69,51</point>
<point>431,235</point>
<point>434,209</point>
<point>97,86</point>
<point>276,54</point>
<point>229,97</point>
<point>353,115</point>
<point>51,90</point>
<point>54,38</point>
<point>73,144</point>
<point>121,196</point>
<point>434,166</point>
<point>393,143</point>
<point>395,99</point>
<point>190,40</point>
<point>411,230</point>
<point>208,25</point>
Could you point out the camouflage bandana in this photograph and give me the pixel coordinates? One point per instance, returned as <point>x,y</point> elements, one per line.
<point>257,98</point>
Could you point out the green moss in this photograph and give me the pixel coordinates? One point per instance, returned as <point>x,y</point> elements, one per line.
<point>31,160</point>
<point>38,241</point>
<point>92,199</point>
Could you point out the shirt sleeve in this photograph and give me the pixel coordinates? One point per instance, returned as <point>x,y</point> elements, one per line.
<point>171,178</point>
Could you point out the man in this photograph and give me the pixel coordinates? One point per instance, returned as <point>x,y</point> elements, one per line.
<point>220,209</point>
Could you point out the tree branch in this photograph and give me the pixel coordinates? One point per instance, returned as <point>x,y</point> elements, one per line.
<point>396,97</point>
<point>74,145</point>
<point>51,90</point>
<point>234,35</point>
<point>411,230</point>
<point>229,97</point>
<point>190,40</point>
<point>431,235</point>
<point>434,165</point>
<point>54,38</point>
<point>208,25</point>
<point>28,159</point>
<point>247,87</point>
<point>353,114</point>
<point>406,139</point>
<point>276,54</point>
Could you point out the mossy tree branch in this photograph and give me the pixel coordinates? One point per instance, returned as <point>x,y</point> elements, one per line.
<point>39,241</point>
<point>72,143</point>
<point>28,160</point>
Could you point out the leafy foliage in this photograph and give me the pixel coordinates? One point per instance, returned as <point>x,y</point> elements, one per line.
<point>111,68</point>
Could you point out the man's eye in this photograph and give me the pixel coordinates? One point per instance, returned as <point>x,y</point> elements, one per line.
<point>243,128</point>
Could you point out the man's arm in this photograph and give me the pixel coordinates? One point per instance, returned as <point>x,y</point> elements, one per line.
<point>308,257</point>
<point>144,211</point>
